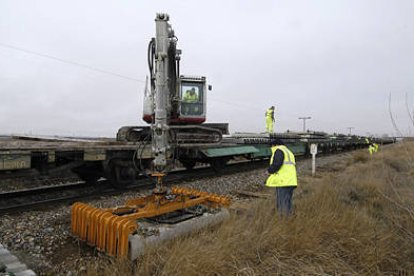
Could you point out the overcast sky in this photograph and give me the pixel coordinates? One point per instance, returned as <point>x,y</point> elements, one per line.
<point>336,61</point>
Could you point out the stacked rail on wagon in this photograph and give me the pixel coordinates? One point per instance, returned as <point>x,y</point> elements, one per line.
<point>122,162</point>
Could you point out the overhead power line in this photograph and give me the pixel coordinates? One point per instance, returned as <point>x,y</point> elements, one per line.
<point>69,62</point>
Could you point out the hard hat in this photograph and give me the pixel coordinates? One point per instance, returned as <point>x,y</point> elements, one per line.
<point>276,141</point>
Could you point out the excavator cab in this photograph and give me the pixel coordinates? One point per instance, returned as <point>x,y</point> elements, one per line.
<point>189,104</point>
<point>192,102</point>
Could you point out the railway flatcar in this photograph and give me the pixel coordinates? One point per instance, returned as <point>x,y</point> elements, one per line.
<point>122,162</point>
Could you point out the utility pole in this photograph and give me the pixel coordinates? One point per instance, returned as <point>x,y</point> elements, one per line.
<point>304,122</point>
<point>350,130</point>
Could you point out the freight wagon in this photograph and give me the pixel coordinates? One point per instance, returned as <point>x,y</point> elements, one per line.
<point>122,162</point>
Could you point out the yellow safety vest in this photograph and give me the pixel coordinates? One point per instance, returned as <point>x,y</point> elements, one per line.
<point>190,98</point>
<point>269,113</point>
<point>286,176</point>
<point>371,149</point>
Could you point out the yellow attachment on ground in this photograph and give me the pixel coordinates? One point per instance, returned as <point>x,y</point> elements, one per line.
<point>109,229</point>
<point>216,200</point>
<point>100,228</point>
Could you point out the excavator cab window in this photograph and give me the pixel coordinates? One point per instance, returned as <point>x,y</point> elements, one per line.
<point>192,99</point>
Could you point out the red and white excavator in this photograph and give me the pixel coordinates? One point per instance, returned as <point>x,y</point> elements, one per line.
<point>175,108</point>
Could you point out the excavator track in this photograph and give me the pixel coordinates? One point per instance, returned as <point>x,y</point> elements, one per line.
<point>133,133</point>
<point>179,134</point>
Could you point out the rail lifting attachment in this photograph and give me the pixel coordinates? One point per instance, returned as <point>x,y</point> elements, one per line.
<point>111,229</point>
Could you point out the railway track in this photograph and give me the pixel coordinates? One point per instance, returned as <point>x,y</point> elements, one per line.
<point>43,196</point>
<point>22,183</point>
<point>28,199</point>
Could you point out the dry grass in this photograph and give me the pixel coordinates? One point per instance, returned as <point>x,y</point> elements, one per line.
<point>359,156</point>
<point>358,221</point>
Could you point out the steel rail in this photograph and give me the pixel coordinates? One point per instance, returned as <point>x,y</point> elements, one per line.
<point>40,190</point>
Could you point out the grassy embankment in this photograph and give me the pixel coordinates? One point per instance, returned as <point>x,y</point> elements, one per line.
<point>358,220</point>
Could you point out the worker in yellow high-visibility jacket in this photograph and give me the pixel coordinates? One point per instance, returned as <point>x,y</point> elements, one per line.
<point>190,96</point>
<point>282,176</point>
<point>270,119</point>
<point>371,149</point>
<point>190,99</point>
<point>375,147</point>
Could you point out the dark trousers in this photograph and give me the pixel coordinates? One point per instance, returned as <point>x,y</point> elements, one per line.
<point>284,200</point>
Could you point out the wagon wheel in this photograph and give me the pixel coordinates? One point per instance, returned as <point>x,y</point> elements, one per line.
<point>188,163</point>
<point>218,164</point>
<point>89,173</point>
<point>120,175</point>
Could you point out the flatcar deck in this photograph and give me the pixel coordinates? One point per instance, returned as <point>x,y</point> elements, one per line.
<point>44,143</point>
<point>122,162</point>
